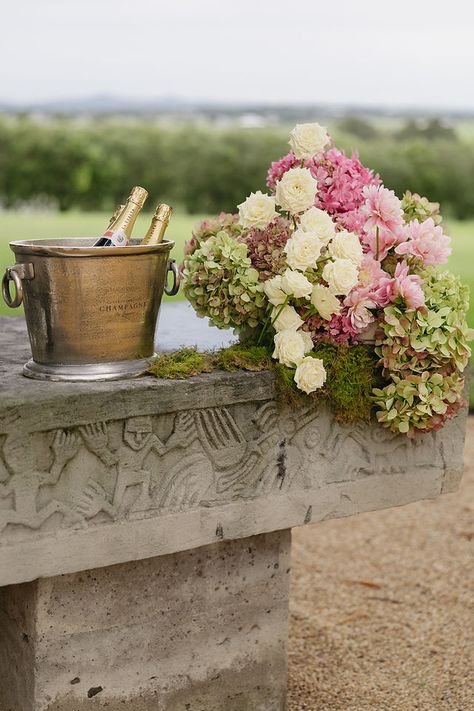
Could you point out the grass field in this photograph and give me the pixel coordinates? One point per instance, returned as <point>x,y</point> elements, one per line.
<point>14,225</point>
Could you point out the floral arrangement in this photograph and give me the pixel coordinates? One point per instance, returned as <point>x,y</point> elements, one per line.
<point>331,256</point>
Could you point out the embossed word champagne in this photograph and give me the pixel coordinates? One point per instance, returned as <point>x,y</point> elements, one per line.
<point>121,225</point>
<point>159,223</point>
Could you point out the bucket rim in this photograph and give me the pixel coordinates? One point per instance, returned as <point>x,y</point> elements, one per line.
<point>83,247</point>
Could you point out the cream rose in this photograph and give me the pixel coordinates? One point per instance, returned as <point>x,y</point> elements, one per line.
<point>290,347</point>
<point>296,191</point>
<point>273,290</point>
<point>341,275</point>
<point>258,210</point>
<point>306,139</point>
<point>325,301</point>
<point>310,375</point>
<point>302,250</point>
<point>286,318</point>
<point>318,222</point>
<point>296,284</point>
<point>346,245</point>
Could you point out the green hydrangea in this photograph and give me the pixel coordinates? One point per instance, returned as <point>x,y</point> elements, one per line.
<point>434,337</point>
<point>221,283</point>
<point>419,402</point>
<point>424,354</point>
<point>419,208</point>
<point>209,227</point>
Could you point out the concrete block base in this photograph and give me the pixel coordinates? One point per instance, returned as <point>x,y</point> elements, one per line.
<point>201,630</point>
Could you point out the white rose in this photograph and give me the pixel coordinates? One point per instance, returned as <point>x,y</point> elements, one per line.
<point>286,318</point>
<point>302,250</point>
<point>346,245</point>
<point>341,275</point>
<point>258,210</point>
<point>310,375</point>
<point>290,347</point>
<point>296,284</point>
<point>325,301</point>
<point>319,222</point>
<point>306,139</point>
<point>296,191</point>
<point>273,290</point>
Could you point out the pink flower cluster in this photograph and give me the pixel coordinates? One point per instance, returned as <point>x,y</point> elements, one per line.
<point>341,181</point>
<point>427,241</point>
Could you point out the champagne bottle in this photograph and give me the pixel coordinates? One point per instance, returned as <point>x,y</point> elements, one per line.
<point>117,212</point>
<point>121,224</point>
<point>159,223</point>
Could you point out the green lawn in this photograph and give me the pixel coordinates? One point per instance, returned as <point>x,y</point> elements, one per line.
<point>14,225</point>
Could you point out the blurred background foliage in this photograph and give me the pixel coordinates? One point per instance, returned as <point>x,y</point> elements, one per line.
<point>90,164</point>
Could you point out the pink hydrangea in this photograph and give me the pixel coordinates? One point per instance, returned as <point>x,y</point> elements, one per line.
<point>427,241</point>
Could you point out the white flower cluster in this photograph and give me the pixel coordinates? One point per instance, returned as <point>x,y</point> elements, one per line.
<point>314,250</point>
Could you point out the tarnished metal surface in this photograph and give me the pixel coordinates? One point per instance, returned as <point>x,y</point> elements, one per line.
<point>90,306</point>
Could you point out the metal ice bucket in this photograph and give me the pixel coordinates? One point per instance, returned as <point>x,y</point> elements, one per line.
<point>91,311</point>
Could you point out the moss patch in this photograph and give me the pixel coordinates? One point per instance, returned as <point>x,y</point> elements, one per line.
<point>182,364</point>
<point>352,374</point>
<point>243,356</point>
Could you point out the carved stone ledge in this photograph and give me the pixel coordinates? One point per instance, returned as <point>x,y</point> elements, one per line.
<point>96,492</point>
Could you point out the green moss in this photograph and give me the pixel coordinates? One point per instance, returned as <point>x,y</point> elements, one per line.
<point>182,364</point>
<point>351,374</point>
<point>243,356</point>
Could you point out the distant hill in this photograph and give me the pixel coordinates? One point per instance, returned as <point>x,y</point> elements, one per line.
<point>110,105</point>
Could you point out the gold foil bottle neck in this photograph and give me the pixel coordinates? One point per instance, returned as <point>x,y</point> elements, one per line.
<point>158,225</point>
<point>138,196</point>
<point>163,212</point>
<point>125,219</point>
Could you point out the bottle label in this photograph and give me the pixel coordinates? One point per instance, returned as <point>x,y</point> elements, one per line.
<point>117,239</point>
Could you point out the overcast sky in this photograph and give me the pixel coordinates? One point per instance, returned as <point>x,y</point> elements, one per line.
<point>381,52</point>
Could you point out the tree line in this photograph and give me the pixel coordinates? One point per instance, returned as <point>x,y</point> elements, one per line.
<point>91,165</point>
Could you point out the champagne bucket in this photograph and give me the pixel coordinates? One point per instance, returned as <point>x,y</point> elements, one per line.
<point>91,312</point>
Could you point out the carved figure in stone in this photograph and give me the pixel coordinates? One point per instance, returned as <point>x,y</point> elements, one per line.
<point>139,442</point>
<point>23,487</point>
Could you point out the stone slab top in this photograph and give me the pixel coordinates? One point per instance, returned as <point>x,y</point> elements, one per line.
<point>65,404</point>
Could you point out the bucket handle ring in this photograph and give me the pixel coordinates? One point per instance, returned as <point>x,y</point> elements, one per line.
<point>15,274</point>
<point>172,267</point>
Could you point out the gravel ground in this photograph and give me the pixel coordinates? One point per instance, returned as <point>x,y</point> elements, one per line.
<point>382,608</point>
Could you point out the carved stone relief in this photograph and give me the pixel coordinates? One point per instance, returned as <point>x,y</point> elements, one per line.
<point>139,467</point>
